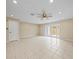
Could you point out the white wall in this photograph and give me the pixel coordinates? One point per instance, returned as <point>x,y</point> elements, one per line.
<point>67,30</point>
<point>28,30</point>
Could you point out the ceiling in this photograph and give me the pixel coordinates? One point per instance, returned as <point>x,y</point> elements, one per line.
<point>21,9</point>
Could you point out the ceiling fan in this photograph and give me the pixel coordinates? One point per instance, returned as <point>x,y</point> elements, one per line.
<point>43,15</point>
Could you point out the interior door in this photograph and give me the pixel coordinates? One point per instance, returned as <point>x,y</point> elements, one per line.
<point>13,30</point>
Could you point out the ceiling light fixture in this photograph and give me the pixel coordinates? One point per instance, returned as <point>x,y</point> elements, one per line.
<point>14,1</point>
<point>60,12</point>
<point>51,1</point>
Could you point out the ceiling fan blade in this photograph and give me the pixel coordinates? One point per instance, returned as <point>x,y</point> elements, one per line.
<point>35,14</point>
<point>50,16</point>
<point>49,13</point>
<point>39,16</point>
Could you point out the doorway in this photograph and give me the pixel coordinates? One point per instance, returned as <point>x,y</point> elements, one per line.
<point>54,30</point>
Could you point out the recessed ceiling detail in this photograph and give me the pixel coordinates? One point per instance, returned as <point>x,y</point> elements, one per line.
<point>23,8</point>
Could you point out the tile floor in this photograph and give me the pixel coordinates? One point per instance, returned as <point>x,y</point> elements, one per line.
<point>40,48</point>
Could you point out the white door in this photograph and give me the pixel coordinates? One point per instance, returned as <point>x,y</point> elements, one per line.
<point>13,30</point>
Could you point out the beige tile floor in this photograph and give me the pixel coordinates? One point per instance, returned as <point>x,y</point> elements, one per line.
<point>39,48</point>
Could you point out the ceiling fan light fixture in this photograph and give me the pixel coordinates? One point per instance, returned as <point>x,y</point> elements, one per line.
<point>42,15</point>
